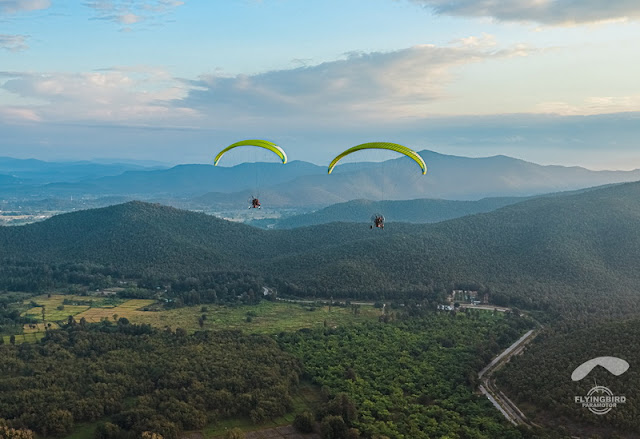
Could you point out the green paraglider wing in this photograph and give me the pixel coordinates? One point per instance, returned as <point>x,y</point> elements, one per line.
<point>382,145</point>
<point>260,143</point>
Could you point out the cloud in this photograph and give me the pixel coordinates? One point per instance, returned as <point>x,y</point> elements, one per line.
<point>13,43</point>
<point>550,12</point>
<point>18,114</point>
<point>128,12</point>
<point>15,6</point>
<point>591,105</point>
<point>112,96</point>
<point>363,86</point>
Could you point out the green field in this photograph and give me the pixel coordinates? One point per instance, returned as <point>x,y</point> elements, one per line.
<point>54,314</point>
<point>270,317</point>
<point>24,338</point>
<point>51,304</point>
<point>131,310</point>
<point>265,318</point>
<point>39,327</point>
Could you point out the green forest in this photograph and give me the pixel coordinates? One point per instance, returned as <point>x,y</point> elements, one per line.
<point>137,379</point>
<point>541,378</point>
<point>413,378</point>
<point>561,254</point>
<point>570,261</point>
<point>412,374</point>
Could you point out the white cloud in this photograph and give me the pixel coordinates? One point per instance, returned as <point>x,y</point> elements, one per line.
<point>14,6</point>
<point>128,12</point>
<point>18,114</point>
<point>363,86</point>
<point>592,105</point>
<point>111,96</point>
<point>13,43</point>
<point>551,12</point>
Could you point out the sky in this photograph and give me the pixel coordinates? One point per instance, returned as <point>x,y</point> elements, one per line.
<point>548,81</point>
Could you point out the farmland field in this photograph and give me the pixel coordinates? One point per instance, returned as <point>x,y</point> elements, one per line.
<point>129,310</point>
<point>264,318</point>
<point>77,305</point>
<point>24,338</point>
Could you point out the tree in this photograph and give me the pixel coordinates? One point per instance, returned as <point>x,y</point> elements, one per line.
<point>107,430</point>
<point>58,423</point>
<point>12,339</point>
<point>304,422</point>
<point>333,427</point>
<point>12,433</point>
<point>343,406</point>
<point>353,433</point>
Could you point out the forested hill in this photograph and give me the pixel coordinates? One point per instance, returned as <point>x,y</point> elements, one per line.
<point>579,252</point>
<point>139,238</point>
<point>411,211</point>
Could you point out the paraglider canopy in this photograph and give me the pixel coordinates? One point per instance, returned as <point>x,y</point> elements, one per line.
<point>254,142</point>
<point>382,145</point>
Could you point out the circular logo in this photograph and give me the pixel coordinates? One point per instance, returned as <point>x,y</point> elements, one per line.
<point>600,393</point>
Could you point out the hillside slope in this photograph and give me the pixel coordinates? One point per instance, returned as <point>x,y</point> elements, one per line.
<point>578,253</point>
<point>411,211</point>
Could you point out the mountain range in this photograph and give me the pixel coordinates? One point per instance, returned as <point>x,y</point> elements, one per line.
<point>576,253</point>
<point>300,184</point>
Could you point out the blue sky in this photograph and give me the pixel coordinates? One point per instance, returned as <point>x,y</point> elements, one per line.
<point>550,81</point>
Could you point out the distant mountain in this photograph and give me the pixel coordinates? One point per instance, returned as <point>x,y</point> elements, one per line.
<point>185,180</point>
<point>577,253</point>
<point>9,181</point>
<point>180,181</point>
<point>411,211</point>
<point>37,172</point>
<point>300,184</point>
<point>448,177</point>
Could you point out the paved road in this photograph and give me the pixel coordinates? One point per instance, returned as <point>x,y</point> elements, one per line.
<point>489,389</point>
<point>506,352</point>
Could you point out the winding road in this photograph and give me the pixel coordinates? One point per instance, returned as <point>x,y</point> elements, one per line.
<point>488,386</point>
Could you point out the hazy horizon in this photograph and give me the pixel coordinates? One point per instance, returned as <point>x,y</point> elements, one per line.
<point>175,81</point>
